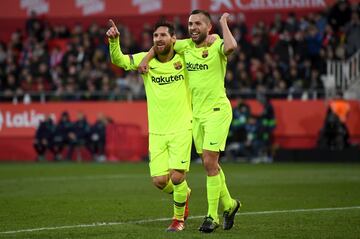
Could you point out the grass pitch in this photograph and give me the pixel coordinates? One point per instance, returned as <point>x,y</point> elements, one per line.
<point>69,200</point>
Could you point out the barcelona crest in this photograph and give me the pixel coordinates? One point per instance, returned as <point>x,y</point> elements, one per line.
<point>205,53</point>
<point>177,65</point>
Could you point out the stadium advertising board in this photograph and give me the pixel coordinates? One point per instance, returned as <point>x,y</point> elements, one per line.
<point>81,8</point>
<point>294,118</point>
<point>22,120</point>
<point>298,125</point>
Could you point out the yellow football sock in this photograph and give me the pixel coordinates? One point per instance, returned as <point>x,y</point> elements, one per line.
<point>169,188</point>
<point>225,197</point>
<point>180,193</point>
<point>213,185</point>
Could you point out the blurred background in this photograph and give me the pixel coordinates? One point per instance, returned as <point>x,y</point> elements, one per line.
<point>294,80</point>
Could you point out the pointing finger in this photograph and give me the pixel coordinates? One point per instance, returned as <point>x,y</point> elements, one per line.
<point>112,23</point>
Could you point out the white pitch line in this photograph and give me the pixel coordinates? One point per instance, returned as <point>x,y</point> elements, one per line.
<point>99,224</point>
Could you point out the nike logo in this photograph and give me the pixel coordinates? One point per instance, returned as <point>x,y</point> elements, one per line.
<point>183,161</point>
<point>211,143</point>
<point>152,68</point>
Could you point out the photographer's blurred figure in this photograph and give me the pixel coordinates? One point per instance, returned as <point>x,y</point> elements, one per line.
<point>78,136</point>
<point>334,134</point>
<point>43,137</point>
<point>98,139</point>
<point>341,108</point>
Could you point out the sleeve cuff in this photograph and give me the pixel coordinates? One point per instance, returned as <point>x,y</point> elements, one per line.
<point>114,40</point>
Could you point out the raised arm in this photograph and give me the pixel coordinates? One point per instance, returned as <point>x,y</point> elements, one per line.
<point>229,40</point>
<point>116,55</point>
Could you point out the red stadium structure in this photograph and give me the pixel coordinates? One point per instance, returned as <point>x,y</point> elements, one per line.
<point>298,127</point>
<point>134,13</point>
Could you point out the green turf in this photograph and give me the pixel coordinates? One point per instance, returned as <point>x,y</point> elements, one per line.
<point>51,195</point>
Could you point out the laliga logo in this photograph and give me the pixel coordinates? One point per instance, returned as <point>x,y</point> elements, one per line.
<point>26,119</point>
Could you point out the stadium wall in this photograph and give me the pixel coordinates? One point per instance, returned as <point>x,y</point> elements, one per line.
<point>298,124</point>
<point>80,8</point>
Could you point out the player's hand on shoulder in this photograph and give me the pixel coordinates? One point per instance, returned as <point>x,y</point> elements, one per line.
<point>112,32</point>
<point>143,67</point>
<point>210,39</point>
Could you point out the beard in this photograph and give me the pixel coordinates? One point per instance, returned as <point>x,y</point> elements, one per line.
<point>163,52</point>
<point>201,38</point>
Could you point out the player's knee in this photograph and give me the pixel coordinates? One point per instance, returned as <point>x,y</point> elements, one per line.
<point>177,176</point>
<point>160,182</point>
<point>211,164</point>
<point>211,170</point>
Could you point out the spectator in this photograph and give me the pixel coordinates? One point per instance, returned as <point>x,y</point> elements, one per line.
<point>98,139</point>
<point>278,24</point>
<point>252,147</point>
<point>44,138</point>
<point>232,85</point>
<point>339,14</point>
<point>268,125</point>
<point>300,46</point>
<point>62,135</point>
<point>78,137</point>
<point>314,85</point>
<point>352,34</point>
<point>34,26</point>
<point>12,90</point>
<point>257,48</point>
<point>297,86</point>
<point>291,24</point>
<point>283,50</point>
<point>180,29</point>
<point>241,114</point>
<point>313,41</point>
<point>320,21</point>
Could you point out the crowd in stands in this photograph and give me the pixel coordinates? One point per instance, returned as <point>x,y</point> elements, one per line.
<point>72,136</point>
<point>287,55</point>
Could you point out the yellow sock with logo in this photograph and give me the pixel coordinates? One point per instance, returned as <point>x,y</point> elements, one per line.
<point>180,194</point>
<point>169,188</point>
<point>213,185</point>
<point>225,197</point>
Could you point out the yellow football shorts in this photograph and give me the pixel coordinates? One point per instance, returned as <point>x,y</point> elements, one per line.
<point>210,132</point>
<point>169,151</point>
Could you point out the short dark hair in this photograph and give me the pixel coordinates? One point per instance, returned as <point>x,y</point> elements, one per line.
<point>169,25</point>
<point>203,12</point>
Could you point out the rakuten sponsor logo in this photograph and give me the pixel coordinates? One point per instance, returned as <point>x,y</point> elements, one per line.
<point>216,5</point>
<point>25,119</point>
